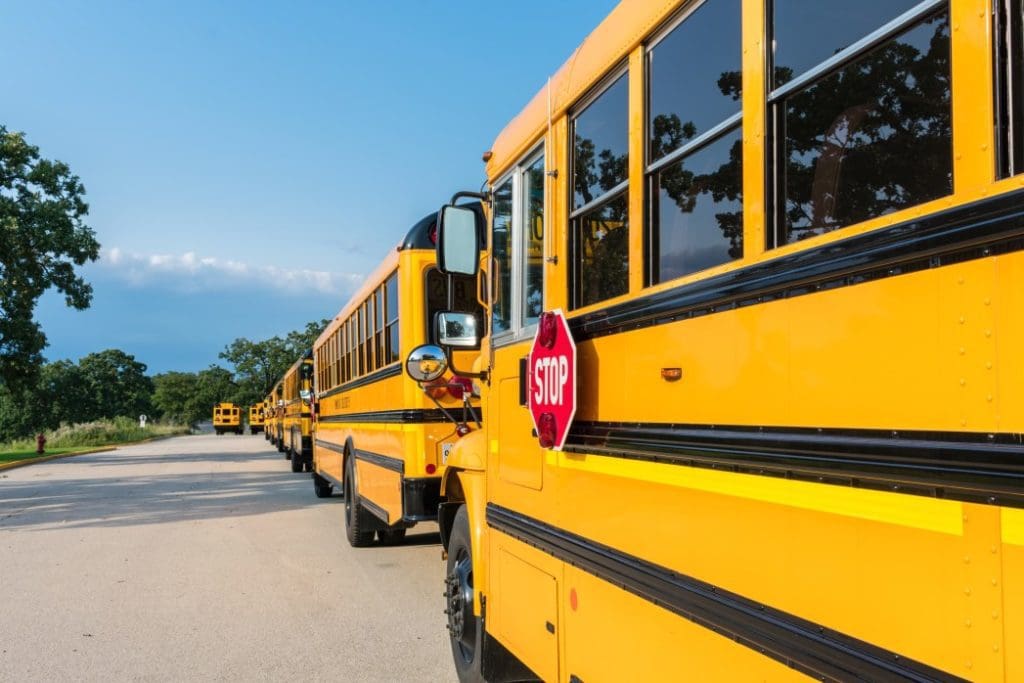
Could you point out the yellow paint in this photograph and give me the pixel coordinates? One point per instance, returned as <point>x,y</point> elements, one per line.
<point>928,514</point>
<point>1013,526</point>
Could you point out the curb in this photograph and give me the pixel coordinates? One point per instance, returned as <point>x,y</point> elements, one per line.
<point>58,456</point>
<point>98,449</point>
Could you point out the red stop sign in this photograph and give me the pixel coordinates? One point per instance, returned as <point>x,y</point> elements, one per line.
<point>551,380</point>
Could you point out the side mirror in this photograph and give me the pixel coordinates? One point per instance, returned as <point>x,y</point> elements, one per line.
<point>457,330</point>
<point>306,395</point>
<point>426,363</point>
<point>458,242</point>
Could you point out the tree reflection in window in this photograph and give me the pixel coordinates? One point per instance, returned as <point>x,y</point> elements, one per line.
<point>871,137</point>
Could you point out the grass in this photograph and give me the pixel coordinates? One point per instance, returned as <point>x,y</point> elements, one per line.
<point>86,436</point>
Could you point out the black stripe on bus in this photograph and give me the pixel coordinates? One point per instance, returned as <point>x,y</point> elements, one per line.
<point>798,643</point>
<point>372,378</point>
<point>986,469</point>
<point>376,510</point>
<point>971,231</point>
<point>405,416</point>
<point>385,461</point>
<point>330,446</point>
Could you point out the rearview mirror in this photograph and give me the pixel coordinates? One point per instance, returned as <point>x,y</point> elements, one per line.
<point>458,241</point>
<point>457,330</point>
<point>426,363</point>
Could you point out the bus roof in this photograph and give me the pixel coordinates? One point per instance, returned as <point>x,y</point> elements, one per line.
<point>607,46</point>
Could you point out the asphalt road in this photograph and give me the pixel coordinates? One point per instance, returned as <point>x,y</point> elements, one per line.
<point>205,558</point>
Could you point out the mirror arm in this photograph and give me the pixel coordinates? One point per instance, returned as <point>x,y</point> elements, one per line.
<point>482,196</point>
<point>439,406</point>
<point>468,407</point>
<point>482,375</point>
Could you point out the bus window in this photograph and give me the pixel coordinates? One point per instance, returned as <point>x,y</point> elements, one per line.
<point>868,136</point>
<point>695,144</point>
<point>599,234</point>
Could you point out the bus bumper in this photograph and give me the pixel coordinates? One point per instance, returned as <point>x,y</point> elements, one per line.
<point>420,499</point>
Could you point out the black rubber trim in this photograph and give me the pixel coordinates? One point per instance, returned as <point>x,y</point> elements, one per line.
<point>421,497</point>
<point>374,509</point>
<point>372,378</point>
<point>331,478</point>
<point>800,644</point>
<point>384,461</point>
<point>977,468</point>
<point>971,231</point>
<point>330,446</point>
<point>406,416</point>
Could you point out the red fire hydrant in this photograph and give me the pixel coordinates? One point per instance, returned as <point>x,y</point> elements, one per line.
<point>40,443</point>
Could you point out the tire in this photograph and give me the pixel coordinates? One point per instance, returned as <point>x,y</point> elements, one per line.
<point>358,537</point>
<point>465,629</point>
<point>321,487</point>
<point>296,462</point>
<point>391,535</point>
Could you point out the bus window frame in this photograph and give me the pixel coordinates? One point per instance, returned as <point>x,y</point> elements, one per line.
<point>517,331</point>
<point>622,189</point>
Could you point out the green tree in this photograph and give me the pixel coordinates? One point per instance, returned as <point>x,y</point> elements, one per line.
<point>258,365</point>
<point>175,397</point>
<point>42,238</point>
<point>213,385</point>
<point>117,384</point>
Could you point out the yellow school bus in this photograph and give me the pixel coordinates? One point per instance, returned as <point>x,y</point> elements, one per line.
<point>788,239</point>
<point>296,416</point>
<point>227,417</point>
<point>378,437</point>
<point>268,418</point>
<point>256,422</point>
<point>275,410</point>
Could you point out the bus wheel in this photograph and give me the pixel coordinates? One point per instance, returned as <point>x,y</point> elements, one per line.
<point>321,487</point>
<point>391,535</point>
<point>296,462</point>
<point>464,627</point>
<point>357,537</point>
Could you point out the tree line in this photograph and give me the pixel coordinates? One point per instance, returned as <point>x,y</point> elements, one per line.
<point>113,383</point>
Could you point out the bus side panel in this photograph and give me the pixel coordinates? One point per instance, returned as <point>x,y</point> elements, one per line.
<point>1012,526</point>
<point>647,643</point>
<point>524,611</point>
<point>886,569</point>
<point>382,487</point>
<point>856,357</point>
<point>326,460</point>
<point>1009,366</point>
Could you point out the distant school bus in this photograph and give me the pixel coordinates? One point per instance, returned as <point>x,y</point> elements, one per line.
<point>378,436</point>
<point>788,238</point>
<point>227,417</point>
<point>268,407</point>
<point>297,388</point>
<point>274,410</point>
<point>256,420</point>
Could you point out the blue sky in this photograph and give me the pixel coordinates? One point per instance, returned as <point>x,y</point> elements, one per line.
<point>248,162</point>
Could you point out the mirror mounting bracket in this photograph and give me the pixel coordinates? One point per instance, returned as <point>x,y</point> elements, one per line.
<point>482,196</point>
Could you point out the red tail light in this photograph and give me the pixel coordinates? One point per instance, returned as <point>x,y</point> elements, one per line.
<point>436,389</point>
<point>460,386</point>
<point>548,330</point>
<point>546,432</point>
<point>431,468</point>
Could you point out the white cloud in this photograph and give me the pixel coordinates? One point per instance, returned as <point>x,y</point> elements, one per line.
<point>193,273</point>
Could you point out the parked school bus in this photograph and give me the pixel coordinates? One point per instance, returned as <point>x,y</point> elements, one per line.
<point>378,436</point>
<point>274,425</point>
<point>268,416</point>
<point>790,247</point>
<point>227,417</point>
<point>256,420</point>
<point>296,416</point>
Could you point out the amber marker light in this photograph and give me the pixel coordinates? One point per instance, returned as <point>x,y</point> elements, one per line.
<point>671,374</point>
